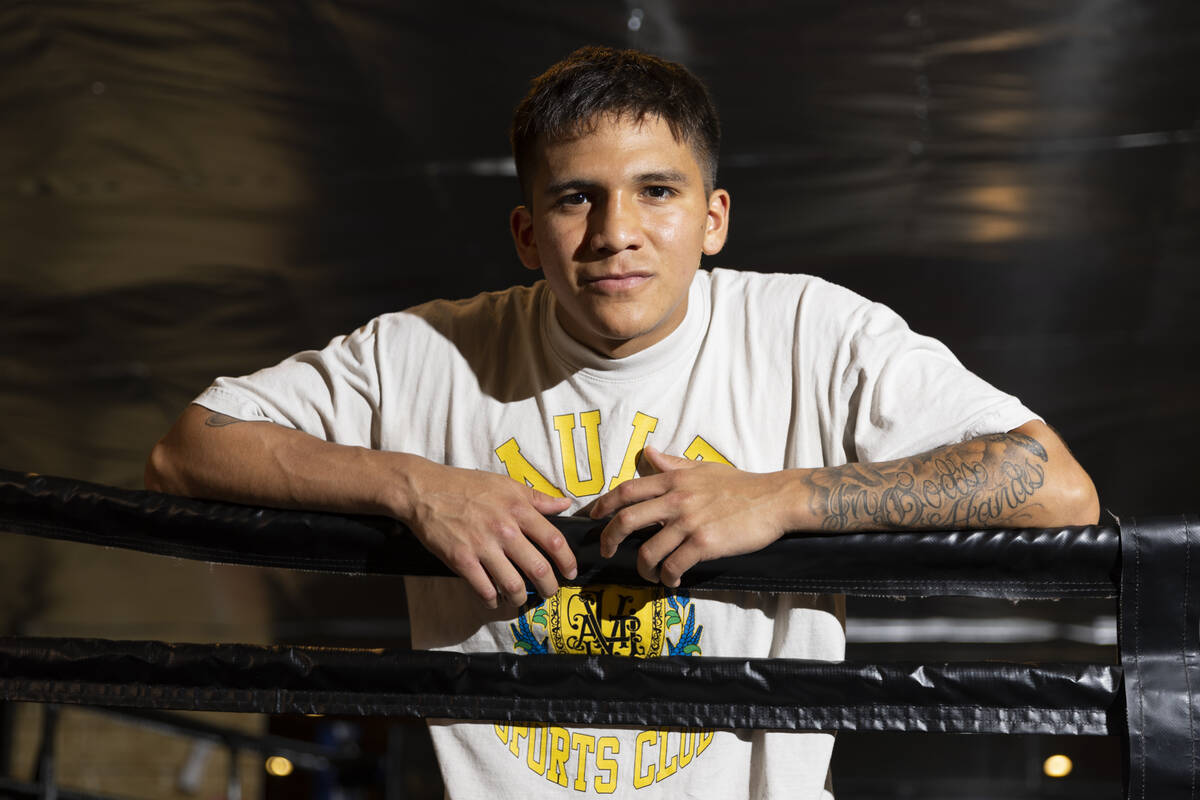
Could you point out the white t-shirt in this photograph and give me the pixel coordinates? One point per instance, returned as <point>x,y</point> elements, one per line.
<point>765,372</point>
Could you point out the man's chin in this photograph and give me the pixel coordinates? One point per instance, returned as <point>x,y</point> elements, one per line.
<point>615,334</point>
<point>618,342</point>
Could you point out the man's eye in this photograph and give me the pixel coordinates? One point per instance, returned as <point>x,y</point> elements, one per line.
<point>573,199</point>
<point>659,192</point>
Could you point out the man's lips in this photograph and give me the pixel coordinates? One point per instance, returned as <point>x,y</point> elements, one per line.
<point>614,283</point>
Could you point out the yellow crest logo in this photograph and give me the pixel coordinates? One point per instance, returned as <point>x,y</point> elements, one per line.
<point>611,620</point>
<point>607,620</point>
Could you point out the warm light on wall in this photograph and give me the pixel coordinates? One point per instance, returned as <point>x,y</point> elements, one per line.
<point>1057,766</point>
<point>278,766</point>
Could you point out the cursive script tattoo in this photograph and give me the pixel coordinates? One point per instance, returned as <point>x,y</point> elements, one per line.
<point>971,484</point>
<point>219,420</point>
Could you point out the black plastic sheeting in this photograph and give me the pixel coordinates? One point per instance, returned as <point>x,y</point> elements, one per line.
<point>774,694</point>
<point>191,189</point>
<point>1011,564</point>
<point>1160,653</point>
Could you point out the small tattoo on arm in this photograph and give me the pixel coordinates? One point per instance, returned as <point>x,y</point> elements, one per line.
<point>972,484</point>
<point>219,420</point>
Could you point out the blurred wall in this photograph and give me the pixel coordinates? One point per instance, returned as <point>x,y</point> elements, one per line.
<point>197,188</point>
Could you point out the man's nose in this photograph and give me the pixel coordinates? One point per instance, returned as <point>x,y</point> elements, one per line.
<point>615,225</point>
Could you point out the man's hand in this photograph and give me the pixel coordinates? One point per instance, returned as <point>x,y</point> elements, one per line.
<point>706,511</point>
<point>1023,478</point>
<point>489,529</point>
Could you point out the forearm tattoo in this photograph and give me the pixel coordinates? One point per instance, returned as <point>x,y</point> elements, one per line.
<point>219,420</point>
<point>972,484</point>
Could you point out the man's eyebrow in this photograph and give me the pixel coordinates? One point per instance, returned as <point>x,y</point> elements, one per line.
<point>669,176</point>
<point>577,184</point>
<point>585,185</point>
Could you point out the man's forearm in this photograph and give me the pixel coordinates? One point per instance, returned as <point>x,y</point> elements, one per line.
<point>485,526</point>
<point>217,457</point>
<point>1024,478</point>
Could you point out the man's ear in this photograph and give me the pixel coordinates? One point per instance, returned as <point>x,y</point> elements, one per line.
<point>520,223</point>
<point>717,224</point>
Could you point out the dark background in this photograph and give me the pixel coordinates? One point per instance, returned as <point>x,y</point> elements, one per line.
<point>190,189</point>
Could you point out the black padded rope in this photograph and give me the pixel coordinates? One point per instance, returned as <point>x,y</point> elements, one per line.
<point>1160,654</point>
<point>674,691</point>
<point>1011,564</point>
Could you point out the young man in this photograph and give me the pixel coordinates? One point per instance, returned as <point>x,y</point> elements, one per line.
<point>727,407</point>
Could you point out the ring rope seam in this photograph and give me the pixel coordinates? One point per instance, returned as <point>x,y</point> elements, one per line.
<point>1187,556</point>
<point>1137,649</point>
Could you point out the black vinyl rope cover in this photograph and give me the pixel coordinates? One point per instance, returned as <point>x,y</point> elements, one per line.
<point>773,694</point>
<point>1160,655</point>
<point>1010,564</point>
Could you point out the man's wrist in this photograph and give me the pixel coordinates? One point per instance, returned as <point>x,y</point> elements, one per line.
<point>401,476</point>
<point>794,499</point>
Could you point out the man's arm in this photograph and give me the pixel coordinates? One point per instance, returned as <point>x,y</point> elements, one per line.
<point>486,527</point>
<point>1023,478</point>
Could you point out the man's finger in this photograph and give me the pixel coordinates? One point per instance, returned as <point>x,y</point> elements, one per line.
<point>684,557</point>
<point>530,561</point>
<point>652,552</point>
<point>547,504</point>
<point>635,490</point>
<point>661,462</point>
<point>508,581</point>
<point>546,536</point>
<point>478,579</point>
<point>632,518</point>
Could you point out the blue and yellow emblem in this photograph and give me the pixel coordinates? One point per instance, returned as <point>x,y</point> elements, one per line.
<point>611,620</point>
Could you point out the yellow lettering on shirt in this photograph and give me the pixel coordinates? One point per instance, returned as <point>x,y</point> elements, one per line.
<point>565,425</point>
<point>584,745</point>
<point>608,747</point>
<point>519,469</point>
<point>573,758</point>
<point>518,732</point>
<point>687,747</point>
<point>560,750</point>
<point>700,450</point>
<point>665,768</point>
<point>643,777</point>
<point>643,426</point>
<point>538,765</point>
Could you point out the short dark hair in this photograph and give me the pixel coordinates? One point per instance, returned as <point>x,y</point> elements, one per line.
<point>593,81</point>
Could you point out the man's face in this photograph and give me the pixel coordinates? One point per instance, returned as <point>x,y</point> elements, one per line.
<point>618,222</point>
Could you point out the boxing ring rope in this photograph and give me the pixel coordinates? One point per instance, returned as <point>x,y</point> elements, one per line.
<point>1150,699</point>
<point>772,694</point>
<point>1007,564</point>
